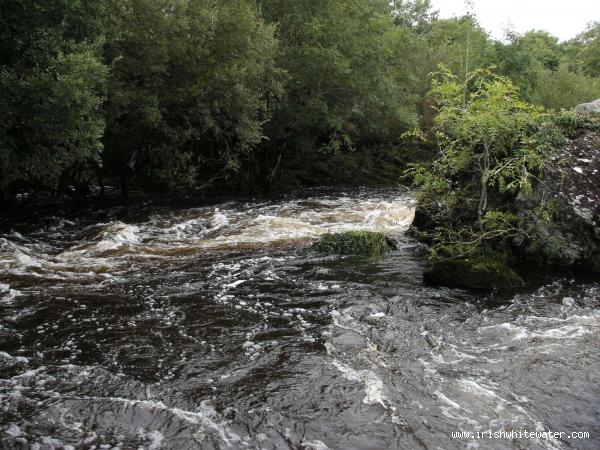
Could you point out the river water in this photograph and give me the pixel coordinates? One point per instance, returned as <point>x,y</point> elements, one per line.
<point>219,327</point>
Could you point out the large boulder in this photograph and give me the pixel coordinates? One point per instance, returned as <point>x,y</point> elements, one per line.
<point>572,239</point>
<point>588,108</point>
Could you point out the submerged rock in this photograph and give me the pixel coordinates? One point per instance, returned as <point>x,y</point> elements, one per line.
<point>361,243</point>
<point>587,108</point>
<point>477,274</point>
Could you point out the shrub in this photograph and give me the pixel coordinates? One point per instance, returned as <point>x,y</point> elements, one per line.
<point>361,243</point>
<point>569,122</point>
<point>493,147</point>
<point>564,89</point>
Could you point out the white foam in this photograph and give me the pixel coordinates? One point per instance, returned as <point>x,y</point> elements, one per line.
<point>6,293</point>
<point>574,327</point>
<point>478,389</point>
<point>16,256</point>
<point>206,416</point>
<point>156,439</point>
<point>229,226</point>
<point>219,220</point>
<point>18,359</point>
<point>378,315</point>
<point>373,384</point>
<point>117,235</point>
<point>25,260</point>
<point>313,445</point>
<point>308,220</point>
<point>446,400</point>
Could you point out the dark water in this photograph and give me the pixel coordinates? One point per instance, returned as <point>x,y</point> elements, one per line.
<point>220,328</point>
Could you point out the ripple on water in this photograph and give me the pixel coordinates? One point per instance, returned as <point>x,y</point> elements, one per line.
<point>219,328</point>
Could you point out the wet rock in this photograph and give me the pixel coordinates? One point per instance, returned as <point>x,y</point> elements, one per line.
<point>572,239</point>
<point>587,108</point>
<point>476,274</point>
<point>418,250</point>
<point>422,221</point>
<point>391,243</point>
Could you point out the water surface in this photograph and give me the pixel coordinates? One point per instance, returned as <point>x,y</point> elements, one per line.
<point>218,327</point>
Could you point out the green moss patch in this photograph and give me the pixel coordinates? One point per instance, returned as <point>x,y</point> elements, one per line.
<point>361,243</point>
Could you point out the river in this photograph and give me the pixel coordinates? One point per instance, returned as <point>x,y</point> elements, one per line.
<point>219,327</point>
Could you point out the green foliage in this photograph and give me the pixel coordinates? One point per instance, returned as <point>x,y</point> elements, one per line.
<point>416,14</point>
<point>526,57</point>
<point>493,147</point>
<point>461,44</point>
<point>348,82</point>
<point>51,91</point>
<point>564,89</point>
<point>569,122</point>
<point>458,43</point>
<point>192,85</point>
<point>552,74</point>
<point>584,51</point>
<point>361,243</point>
<point>178,94</point>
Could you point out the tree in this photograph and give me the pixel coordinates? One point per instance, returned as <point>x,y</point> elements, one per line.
<point>584,51</point>
<point>564,89</point>
<point>526,57</point>
<point>192,85</point>
<point>348,81</point>
<point>51,91</point>
<point>414,14</point>
<point>459,44</point>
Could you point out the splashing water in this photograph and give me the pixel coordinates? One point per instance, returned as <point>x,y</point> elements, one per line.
<point>218,327</point>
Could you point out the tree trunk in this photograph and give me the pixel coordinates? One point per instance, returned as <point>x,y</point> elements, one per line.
<point>483,197</point>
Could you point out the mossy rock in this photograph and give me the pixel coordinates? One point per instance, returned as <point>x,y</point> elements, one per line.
<point>360,243</point>
<point>477,274</point>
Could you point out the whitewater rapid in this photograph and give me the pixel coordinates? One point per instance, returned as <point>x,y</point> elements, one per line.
<point>219,327</point>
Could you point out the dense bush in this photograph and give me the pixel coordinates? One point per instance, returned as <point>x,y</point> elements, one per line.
<point>348,86</point>
<point>564,89</point>
<point>493,147</point>
<point>584,51</point>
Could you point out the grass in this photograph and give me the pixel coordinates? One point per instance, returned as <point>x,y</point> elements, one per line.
<point>360,243</point>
